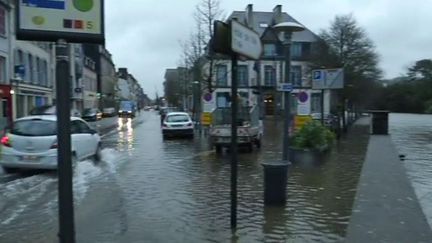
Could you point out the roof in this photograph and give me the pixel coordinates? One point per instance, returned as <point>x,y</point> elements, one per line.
<point>177,113</point>
<point>267,19</point>
<point>45,117</point>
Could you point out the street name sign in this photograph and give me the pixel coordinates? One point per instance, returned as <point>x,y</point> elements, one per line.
<point>285,87</point>
<point>245,41</point>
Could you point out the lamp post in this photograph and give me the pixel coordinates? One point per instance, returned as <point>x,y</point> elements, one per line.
<point>287,28</point>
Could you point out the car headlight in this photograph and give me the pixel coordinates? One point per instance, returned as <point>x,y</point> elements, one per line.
<point>129,111</point>
<point>120,111</point>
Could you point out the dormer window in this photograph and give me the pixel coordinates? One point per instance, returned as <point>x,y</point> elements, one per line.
<point>269,50</point>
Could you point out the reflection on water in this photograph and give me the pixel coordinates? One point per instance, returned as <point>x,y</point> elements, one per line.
<point>180,191</point>
<point>412,135</point>
<point>125,134</point>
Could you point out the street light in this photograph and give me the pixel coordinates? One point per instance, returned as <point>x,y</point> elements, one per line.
<point>287,28</point>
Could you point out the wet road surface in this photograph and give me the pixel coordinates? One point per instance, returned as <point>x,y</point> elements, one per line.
<point>148,189</point>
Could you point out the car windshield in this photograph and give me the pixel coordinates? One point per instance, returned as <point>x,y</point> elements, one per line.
<point>35,127</point>
<point>89,111</point>
<point>177,118</point>
<point>41,110</point>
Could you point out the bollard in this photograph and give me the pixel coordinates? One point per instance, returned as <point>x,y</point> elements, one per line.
<point>275,182</point>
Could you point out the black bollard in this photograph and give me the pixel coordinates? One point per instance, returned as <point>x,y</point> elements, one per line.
<point>275,182</point>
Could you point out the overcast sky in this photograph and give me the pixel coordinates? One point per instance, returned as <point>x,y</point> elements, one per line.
<point>144,35</point>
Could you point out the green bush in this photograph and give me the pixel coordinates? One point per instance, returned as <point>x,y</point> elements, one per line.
<point>313,135</point>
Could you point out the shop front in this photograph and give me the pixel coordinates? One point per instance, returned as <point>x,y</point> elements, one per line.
<point>5,106</point>
<point>27,98</point>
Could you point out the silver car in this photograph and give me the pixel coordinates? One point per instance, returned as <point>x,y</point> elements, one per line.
<point>31,143</point>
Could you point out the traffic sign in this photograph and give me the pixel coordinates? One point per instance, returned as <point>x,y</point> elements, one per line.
<point>245,41</point>
<point>285,87</point>
<point>328,78</point>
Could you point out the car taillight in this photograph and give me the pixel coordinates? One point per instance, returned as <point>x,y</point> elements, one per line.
<point>54,145</point>
<point>189,124</point>
<point>164,125</point>
<point>5,141</point>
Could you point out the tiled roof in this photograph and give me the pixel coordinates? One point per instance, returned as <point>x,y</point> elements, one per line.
<point>262,18</point>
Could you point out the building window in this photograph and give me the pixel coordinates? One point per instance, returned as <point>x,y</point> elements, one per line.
<point>222,99</point>
<point>242,75</point>
<point>38,71</point>
<point>269,75</point>
<point>296,76</point>
<point>2,69</point>
<point>296,49</point>
<point>269,50</point>
<point>2,21</point>
<point>221,75</point>
<point>30,68</point>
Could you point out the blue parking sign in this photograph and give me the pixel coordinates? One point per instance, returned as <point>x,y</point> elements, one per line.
<point>317,75</point>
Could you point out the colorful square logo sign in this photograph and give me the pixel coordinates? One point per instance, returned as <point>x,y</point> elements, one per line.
<point>67,23</point>
<point>78,24</point>
<point>52,4</point>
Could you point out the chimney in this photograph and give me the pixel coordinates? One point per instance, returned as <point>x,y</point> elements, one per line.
<point>249,16</point>
<point>277,14</point>
<point>123,73</point>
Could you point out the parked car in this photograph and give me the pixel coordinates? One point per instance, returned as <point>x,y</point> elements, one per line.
<point>109,112</point>
<point>31,143</point>
<point>51,110</point>
<point>163,111</point>
<point>91,114</point>
<point>177,124</point>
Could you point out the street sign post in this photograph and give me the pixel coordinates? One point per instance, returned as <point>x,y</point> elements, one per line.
<point>62,21</point>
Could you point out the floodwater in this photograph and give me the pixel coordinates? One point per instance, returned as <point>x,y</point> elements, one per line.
<point>148,189</point>
<point>412,135</point>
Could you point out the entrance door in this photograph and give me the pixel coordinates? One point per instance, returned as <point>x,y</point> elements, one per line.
<point>3,113</point>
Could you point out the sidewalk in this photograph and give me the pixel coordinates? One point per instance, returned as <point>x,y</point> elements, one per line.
<point>386,208</point>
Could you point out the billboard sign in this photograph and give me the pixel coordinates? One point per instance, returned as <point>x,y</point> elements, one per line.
<point>50,20</point>
<point>245,41</point>
<point>328,78</point>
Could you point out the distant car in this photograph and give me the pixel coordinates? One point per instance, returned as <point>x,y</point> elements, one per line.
<point>51,110</point>
<point>31,143</point>
<point>165,110</point>
<point>91,114</point>
<point>109,112</point>
<point>177,124</point>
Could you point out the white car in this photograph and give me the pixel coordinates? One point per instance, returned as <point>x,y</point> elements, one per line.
<point>177,124</point>
<point>31,143</point>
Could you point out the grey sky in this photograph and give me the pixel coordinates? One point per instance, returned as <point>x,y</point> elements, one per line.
<point>144,35</point>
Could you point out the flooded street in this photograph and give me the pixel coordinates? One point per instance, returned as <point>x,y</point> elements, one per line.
<point>412,135</point>
<point>148,189</point>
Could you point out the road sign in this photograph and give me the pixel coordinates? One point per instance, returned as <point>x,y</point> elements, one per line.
<point>300,121</point>
<point>245,41</point>
<point>285,87</point>
<point>51,20</point>
<point>206,118</point>
<point>304,102</point>
<point>328,78</point>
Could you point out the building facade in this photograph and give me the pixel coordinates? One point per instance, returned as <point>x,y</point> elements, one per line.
<point>89,80</point>
<point>263,76</point>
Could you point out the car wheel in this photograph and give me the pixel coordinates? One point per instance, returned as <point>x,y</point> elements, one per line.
<point>98,153</point>
<point>218,149</point>
<point>258,143</point>
<point>8,170</point>
<point>249,147</point>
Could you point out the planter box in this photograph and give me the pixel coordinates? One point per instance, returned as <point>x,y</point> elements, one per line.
<point>307,156</point>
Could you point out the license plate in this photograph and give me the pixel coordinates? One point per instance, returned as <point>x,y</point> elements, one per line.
<point>29,157</point>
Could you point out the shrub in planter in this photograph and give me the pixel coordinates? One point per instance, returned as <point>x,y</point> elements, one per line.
<point>310,142</point>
